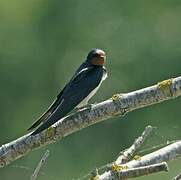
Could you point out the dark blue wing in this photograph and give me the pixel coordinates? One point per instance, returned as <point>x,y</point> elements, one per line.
<point>76,90</point>
<point>48,113</point>
<point>56,102</point>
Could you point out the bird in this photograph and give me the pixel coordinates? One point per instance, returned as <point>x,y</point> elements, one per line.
<point>77,92</point>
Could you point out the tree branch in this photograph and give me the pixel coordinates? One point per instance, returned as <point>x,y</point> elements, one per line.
<point>117,105</point>
<point>40,164</point>
<point>164,154</point>
<point>167,153</point>
<point>135,172</point>
<point>178,177</point>
<point>128,153</point>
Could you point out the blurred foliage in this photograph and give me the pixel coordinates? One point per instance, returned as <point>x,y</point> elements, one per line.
<point>42,44</point>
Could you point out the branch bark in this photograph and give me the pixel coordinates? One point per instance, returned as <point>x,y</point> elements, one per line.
<point>124,173</point>
<point>119,104</point>
<point>141,171</point>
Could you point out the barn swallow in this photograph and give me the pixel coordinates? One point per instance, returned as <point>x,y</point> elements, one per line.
<point>77,92</point>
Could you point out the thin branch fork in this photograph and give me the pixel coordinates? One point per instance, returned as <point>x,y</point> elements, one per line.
<point>119,104</point>
<point>150,163</point>
<point>117,169</point>
<point>128,154</point>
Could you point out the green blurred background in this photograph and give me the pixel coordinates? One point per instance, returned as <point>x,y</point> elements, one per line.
<point>42,42</point>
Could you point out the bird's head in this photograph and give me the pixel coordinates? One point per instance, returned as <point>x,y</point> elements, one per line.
<point>96,57</point>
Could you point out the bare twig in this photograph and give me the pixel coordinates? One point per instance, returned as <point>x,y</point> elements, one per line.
<point>117,105</point>
<point>135,172</point>
<point>128,153</point>
<point>178,177</point>
<point>40,164</point>
<point>167,153</point>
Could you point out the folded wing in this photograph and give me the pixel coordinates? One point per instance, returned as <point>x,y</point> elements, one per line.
<point>76,90</point>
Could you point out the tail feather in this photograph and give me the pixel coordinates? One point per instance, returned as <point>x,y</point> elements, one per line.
<point>34,125</point>
<point>39,121</point>
<point>44,126</point>
<point>45,116</point>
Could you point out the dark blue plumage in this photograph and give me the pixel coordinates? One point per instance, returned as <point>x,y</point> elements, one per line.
<point>77,92</point>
